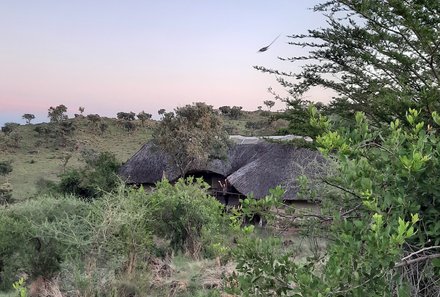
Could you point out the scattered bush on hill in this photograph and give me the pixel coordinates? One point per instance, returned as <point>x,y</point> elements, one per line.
<point>126,116</point>
<point>6,187</point>
<point>57,114</point>
<point>5,167</point>
<point>225,110</point>
<point>143,116</point>
<point>234,112</point>
<point>9,127</point>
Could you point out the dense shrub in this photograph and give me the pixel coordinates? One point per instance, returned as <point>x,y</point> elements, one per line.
<point>225,110</point>
<point>98,176</point>
<point>9,127</point>
<point>236,112</point>
<point>6,193</point>
<point>5,167</point>
<point>186,215</point>
<point>24,246</point>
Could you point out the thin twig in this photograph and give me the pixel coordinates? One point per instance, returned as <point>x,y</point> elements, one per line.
<point>351,210</point>
<point>419,251</point>
<point>416,260</point>
<point>342,189</point>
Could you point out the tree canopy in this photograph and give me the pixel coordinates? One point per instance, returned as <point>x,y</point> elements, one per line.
<point>28,117</point>
<point>191,135</point>
<point>57,114</point>
<point>380,57</point>
<point>143,116</point>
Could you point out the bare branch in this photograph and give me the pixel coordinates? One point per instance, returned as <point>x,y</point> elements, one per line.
<point>420,251</point>
<point>416,260</point>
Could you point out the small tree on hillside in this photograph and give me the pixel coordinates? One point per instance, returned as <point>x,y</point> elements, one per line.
<point>28,117</point>
<point>161,111</point>
<point>191,135</point>
<point>143,116</point>
<point>126,116</point>
<point>269,104</point>
<point>225,110</point>
<point>95,120</point>
<point>236,112</point>
<point>57,114</point>
<point>81,110</point>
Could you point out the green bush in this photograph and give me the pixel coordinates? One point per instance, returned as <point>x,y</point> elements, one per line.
<point>24,246</point>
<point>54,235</point>
<point>98,176</point>
<point>6,193</point>
<point>5,167</point>
<point>186,215</point>
<point>9,127</point>
<point>72,183</point>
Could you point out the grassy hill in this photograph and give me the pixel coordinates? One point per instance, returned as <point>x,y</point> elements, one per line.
<point>41,156</point>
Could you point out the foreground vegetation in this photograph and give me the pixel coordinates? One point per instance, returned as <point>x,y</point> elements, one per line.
<point>111,244</point>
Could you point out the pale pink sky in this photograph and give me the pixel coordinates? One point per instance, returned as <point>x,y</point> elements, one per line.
<point>112,56</point>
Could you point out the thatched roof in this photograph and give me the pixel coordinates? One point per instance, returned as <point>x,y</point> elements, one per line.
<point>250,167</point>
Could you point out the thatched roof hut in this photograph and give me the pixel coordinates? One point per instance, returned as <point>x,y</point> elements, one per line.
<point>251,167</point>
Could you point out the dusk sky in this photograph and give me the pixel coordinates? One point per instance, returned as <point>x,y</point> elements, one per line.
<point>112,56</point>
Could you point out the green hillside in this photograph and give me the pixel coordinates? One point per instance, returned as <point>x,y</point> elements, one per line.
<point>42,156</point>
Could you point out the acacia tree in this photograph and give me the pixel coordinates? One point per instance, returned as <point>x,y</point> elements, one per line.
<point>381,57</point>
<point>269,103</point>
<point>28,117</point>
<point>57,114</point>
<point>191,135</point>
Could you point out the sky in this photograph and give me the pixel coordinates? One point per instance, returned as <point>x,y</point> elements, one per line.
<point>110,56</point>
